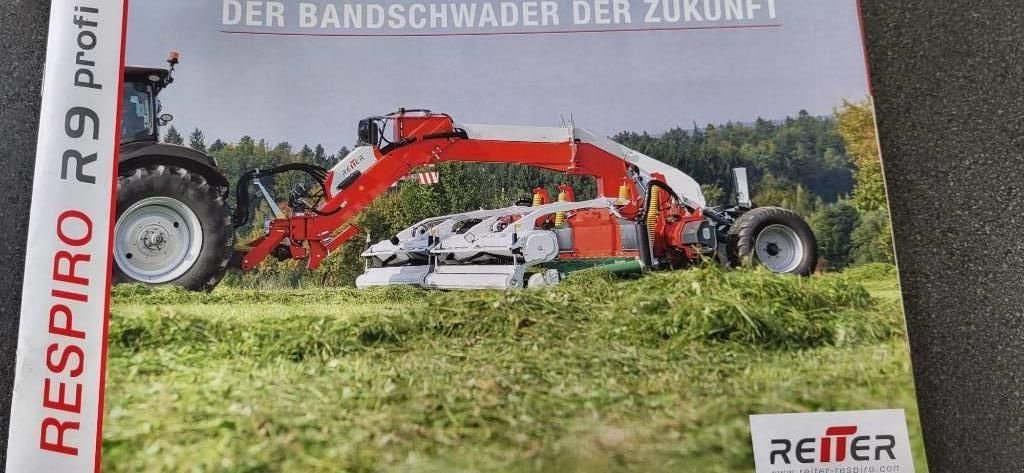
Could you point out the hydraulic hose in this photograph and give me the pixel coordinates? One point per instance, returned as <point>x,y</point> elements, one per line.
<point>645,220</point>
<point>645,246</point>
<point>243,200</point>
<point>649,217</point>
<point>715,215</point>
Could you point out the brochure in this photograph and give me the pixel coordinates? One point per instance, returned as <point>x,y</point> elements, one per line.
<point>460,235</point>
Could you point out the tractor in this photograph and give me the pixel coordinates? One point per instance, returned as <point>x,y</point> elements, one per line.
<point>172,222</point>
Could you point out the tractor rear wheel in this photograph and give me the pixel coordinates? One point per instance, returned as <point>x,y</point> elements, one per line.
<point>172,227</point>
<point>775,238</point>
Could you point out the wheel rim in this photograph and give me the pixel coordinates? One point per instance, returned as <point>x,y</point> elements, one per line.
<point>157,240</point>
<point>779,248</point>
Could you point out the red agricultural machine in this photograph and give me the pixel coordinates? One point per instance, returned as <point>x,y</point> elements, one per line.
<point>647,215</point>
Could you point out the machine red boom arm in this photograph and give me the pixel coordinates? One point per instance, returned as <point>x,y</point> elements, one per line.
<point>421,138</point>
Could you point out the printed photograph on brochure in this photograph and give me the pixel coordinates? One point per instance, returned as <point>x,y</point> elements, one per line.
<point>551,235</point>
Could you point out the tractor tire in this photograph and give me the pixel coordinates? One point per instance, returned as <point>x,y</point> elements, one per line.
<point>172,227</point>
<point>775,238</point>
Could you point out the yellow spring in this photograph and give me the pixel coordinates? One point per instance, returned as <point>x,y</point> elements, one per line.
<point>560,216</point>
<point>623,194</point>
<point>652,212</point>
<point>537,199</point>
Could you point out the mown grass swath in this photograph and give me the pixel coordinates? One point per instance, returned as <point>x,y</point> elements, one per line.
<point>652,374</point>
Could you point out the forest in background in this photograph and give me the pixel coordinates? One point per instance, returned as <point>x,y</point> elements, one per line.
<point>826,168</point>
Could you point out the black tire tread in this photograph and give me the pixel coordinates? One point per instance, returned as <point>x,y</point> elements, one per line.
<point>206,201</point>
<point>743,234</point>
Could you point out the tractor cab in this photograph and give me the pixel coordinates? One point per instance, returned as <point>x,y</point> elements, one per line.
<point>140,108</point>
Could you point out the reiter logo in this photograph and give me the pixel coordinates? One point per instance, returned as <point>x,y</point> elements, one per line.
<point>833,447</point>
<point>870,441</point>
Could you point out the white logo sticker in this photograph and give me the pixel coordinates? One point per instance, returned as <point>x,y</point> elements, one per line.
<point>832,442</point>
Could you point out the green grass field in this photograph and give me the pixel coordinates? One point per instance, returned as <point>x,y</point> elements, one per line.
<point>652,375</point>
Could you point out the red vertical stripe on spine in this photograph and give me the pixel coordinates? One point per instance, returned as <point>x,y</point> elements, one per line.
<point>110,243</point>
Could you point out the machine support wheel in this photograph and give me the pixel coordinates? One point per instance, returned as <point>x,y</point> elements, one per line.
<point>171,227</point>
<point>775,238</point>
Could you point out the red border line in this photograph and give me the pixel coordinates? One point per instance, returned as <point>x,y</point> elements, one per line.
<point>500,33</point>
<point>110,242</point>
<point>864,47</point>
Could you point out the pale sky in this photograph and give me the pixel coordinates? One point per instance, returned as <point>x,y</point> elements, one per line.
<point>314,90</point>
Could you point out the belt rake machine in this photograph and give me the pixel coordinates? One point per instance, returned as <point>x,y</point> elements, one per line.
<point>648,215</point>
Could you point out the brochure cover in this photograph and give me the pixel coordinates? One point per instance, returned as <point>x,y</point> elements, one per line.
<point>460,235</point>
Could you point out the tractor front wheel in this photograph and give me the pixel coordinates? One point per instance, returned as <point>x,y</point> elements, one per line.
<point>172,228</point>
<point>776,238</point>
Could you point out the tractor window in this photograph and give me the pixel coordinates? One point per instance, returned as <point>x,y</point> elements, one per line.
<point>136,112</point>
